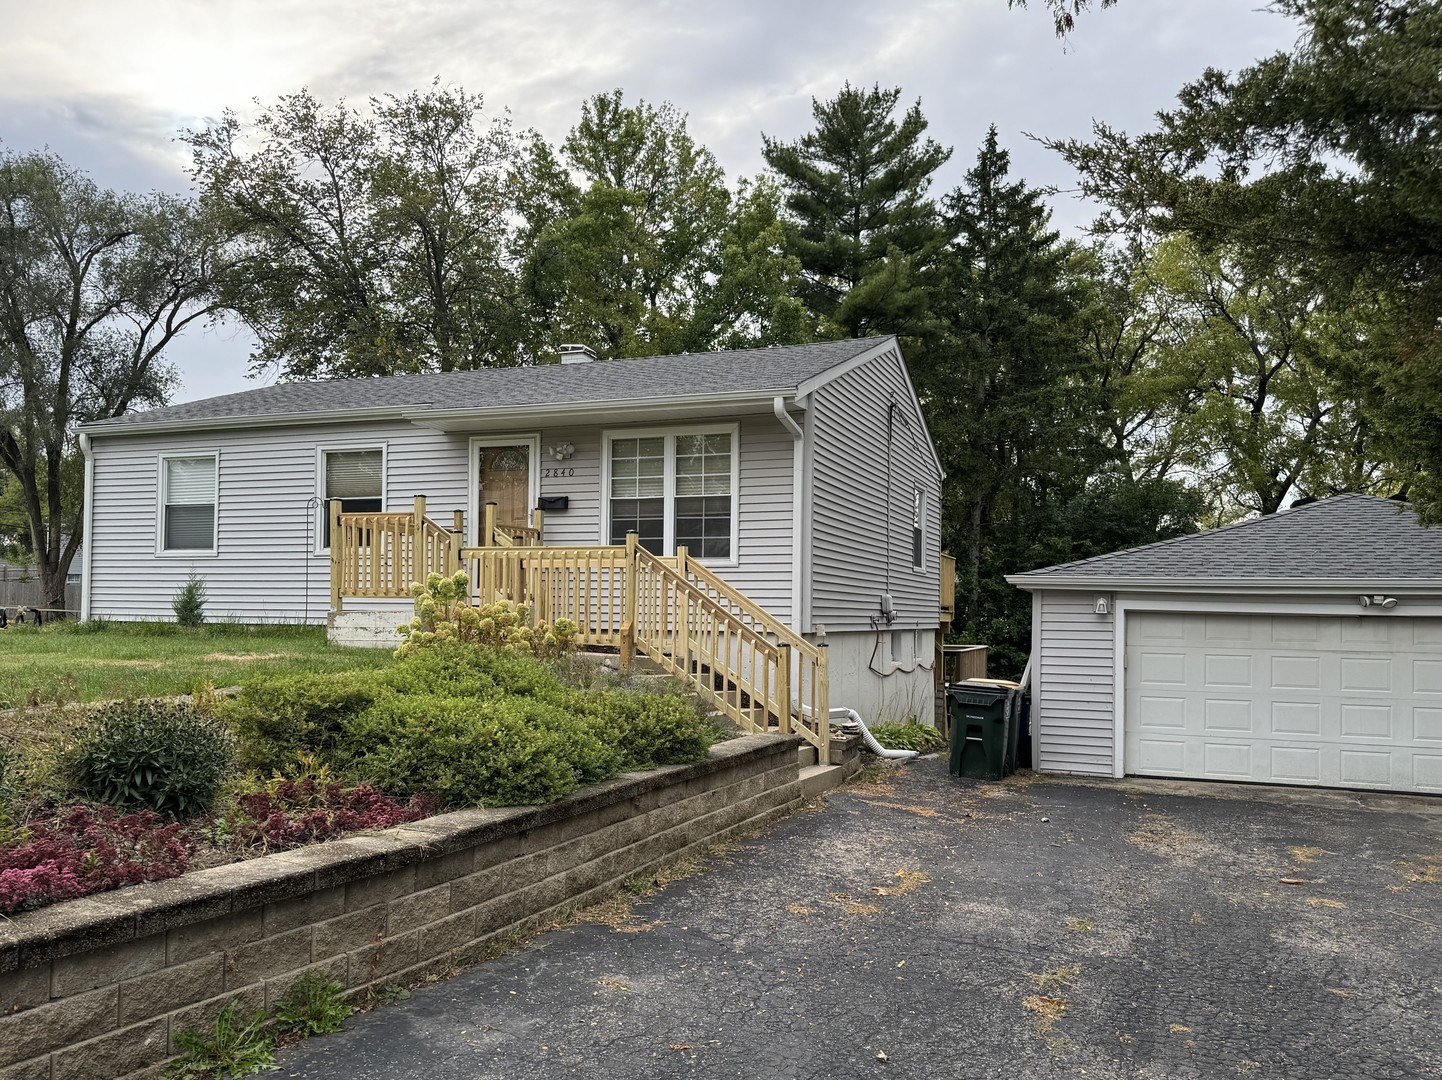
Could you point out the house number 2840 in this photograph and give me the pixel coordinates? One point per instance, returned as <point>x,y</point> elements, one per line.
<point>557,472</point>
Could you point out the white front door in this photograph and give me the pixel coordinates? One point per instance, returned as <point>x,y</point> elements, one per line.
<point>1284,699</point>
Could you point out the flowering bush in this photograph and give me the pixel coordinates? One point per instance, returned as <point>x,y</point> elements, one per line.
<point>445,616</point>
<point>86,850</point>
<point>289,813</point>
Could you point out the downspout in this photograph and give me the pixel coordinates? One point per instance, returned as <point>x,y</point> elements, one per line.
<point>798,479</point>
<point>87,547</point>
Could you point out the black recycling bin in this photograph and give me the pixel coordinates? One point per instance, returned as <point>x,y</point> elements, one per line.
<point>984,724</point>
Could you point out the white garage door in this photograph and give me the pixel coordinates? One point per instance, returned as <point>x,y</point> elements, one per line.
<point>1341,702</point>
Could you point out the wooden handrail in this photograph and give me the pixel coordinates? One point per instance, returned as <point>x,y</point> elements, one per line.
<point>727,595</point>
<point>682,627</point>
<point>379,555</point>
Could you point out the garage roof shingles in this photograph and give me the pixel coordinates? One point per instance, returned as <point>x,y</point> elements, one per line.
<point>1344,538</point>
<point>774,370</point>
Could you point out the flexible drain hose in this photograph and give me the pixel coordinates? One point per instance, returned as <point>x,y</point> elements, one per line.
<point>875,747</point>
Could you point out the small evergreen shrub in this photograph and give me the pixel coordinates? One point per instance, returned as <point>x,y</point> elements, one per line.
<point>152,755</point>
<point>189,602</point>
<point>315,1005</point>
<point>469,725</point>
<point>909,736</point>
<point>445,616</point>
<point>501,751</point>
<point>229,1050</point>
<point>84,850</point>
<point>279,720</point>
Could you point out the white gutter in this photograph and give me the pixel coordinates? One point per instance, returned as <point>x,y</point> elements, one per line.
<point>798,479</point>
<point>87,547</point>
<point>1226,586</point>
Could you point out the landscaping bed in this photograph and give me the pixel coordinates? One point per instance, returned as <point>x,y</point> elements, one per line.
<point>98,797</point>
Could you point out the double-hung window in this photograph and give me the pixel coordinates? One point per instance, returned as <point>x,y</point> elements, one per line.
<point>355,478</point>
<point>675,489</point>
<point>187,498</point>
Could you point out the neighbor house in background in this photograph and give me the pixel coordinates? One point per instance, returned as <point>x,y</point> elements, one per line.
<point>1300,648</point>
<point>800,482</point>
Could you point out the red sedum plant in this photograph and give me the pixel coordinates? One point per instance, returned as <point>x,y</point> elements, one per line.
<point>88,849</point>
<point>289,813</point>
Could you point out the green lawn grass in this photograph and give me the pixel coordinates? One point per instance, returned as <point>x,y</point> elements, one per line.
<point>95,662</point>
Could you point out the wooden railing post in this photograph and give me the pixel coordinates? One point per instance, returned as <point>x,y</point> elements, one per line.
<point>783,688</point>
<point>683,619</point>
<point>538,522</point>
<point>418,541</point>
<point>337,553</point>
<point>488,527</point>
<point>628,617</point>
<point>823,704</point>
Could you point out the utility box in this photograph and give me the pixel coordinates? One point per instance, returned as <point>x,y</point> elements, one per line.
<point>985,719</point>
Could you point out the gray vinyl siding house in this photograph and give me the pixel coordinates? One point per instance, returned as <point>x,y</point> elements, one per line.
<point>832,465</point>
<point>1302,648</point>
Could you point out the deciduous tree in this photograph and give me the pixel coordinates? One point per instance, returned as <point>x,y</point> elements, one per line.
<point>94,286</point>
<point>367,242</point>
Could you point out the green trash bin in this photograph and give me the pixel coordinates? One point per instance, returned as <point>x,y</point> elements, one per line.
<point>982,722</point>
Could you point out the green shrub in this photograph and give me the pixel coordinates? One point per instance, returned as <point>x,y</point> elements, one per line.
<point>444,616</point>
<point>499,751</point>
<point>646,728</point>
<point>151,755</point>
<point>470,726</point>
<point>314,1005</point>
<point>909,736</point>
<point>228,1050</point>
<point>278,720</point>
<point>189,602</point>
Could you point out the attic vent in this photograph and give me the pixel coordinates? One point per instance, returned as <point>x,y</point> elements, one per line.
<point>577,354</point>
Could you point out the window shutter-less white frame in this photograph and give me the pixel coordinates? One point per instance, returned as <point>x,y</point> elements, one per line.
<point>188,499</point>
<point>731,431</point>
<point>353,474</point>
<point>359,471</point>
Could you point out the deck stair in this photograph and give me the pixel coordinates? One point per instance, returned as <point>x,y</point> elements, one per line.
<point>666,615</point>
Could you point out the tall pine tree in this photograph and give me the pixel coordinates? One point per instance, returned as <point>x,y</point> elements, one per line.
<point>863,224</point>
<point>1009,396</point>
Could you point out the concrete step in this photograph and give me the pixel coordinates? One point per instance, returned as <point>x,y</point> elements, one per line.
<point>816,779</point>
<point>806,756</point>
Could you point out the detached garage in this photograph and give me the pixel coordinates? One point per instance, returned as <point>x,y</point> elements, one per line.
<point>1300,648</point>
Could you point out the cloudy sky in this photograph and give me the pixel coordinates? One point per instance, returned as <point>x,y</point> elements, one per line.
<point>108,83</point>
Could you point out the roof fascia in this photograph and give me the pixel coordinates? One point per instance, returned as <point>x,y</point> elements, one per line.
<point>445,419</point>
<point>213,423</point>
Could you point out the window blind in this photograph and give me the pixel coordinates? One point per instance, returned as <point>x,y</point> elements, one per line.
<point>353,474</point>
<point>189,504</point>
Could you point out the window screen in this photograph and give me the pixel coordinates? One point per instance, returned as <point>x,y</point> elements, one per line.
<point>638,491</point>
<point>703,495</point>
<point>189,485</point>
<point>353,477</point>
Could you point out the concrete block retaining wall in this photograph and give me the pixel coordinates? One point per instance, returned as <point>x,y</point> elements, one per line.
<point>99,987</point>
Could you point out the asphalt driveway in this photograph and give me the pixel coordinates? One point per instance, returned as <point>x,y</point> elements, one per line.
<point>922,926</point>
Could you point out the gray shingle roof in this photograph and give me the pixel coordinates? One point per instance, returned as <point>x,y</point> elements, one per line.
<point>1345,538</point>
<point>774,370</point>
